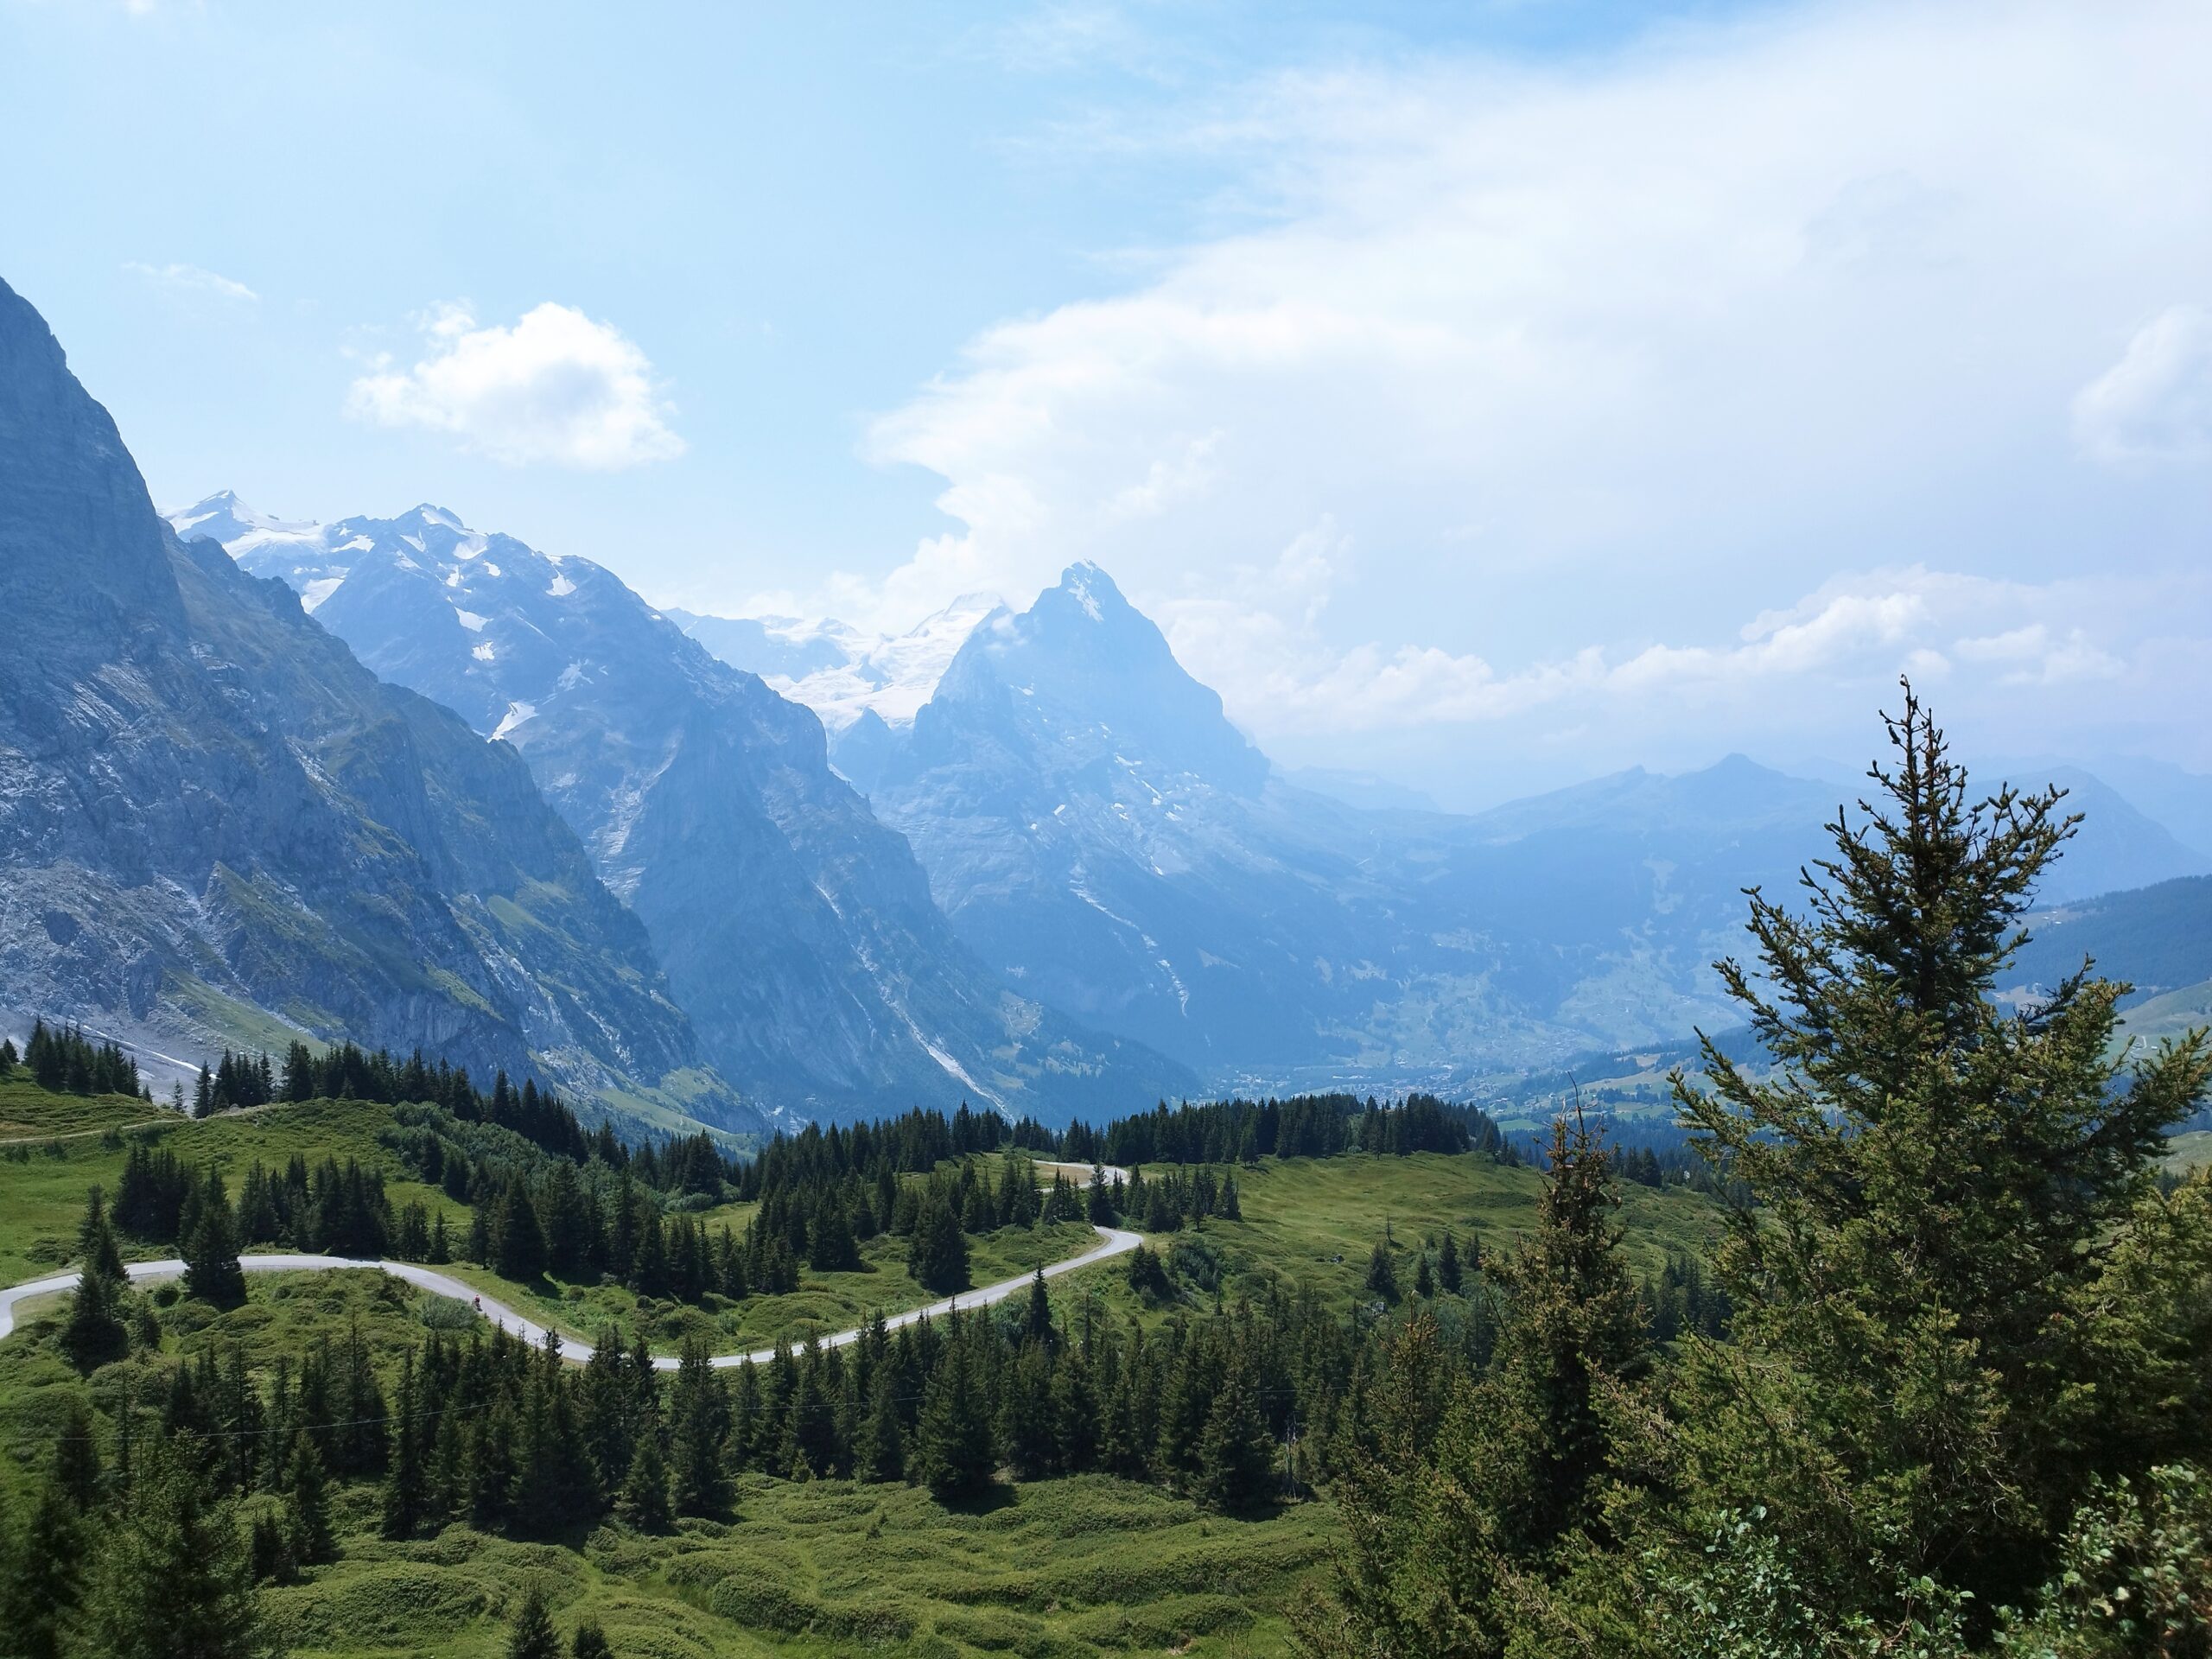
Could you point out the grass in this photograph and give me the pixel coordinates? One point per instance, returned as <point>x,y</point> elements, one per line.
<point>825,1302</point>
<point>29,1113</point>
<point>42,1200</point>
<point>1074,1567</point>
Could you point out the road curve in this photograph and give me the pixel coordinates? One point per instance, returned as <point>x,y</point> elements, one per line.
<point>1115,1241</point>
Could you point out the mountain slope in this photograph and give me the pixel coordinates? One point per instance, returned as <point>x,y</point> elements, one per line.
<point>796,930</point>
<point>1099,831</point>
<point>216,824</point>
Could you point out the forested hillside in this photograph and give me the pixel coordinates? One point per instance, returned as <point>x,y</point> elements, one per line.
<point>1918,1363</point>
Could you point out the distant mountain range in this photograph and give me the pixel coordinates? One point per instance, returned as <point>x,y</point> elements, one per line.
<point>1098,830</point>
<point>217,826</point>
<point>406,782</point>
<point>796,930</point>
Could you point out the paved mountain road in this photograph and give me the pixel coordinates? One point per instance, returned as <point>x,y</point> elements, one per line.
<point>1114,1241</point>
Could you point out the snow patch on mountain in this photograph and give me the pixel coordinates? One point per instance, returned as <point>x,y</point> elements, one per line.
<point>837,671</point>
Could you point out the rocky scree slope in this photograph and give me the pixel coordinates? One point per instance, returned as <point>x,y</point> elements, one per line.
<point>217,825</point>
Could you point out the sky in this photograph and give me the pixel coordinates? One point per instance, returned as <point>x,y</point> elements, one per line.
<point>1487,396</point>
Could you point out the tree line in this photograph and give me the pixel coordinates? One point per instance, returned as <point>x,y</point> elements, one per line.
<point>63,1060</point>
<point>1963,1401</point>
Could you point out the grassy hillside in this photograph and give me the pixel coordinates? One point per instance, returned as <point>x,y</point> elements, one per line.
<point>1085,1564</point>
<point>29,1113</point>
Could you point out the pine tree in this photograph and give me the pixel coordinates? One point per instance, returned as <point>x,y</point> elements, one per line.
<point>698,1412</point>
<point>42,1581</point>
<point>1448,1272</point>
<point>1470,1490</point>
<point>1236,1454</point>
<point>589,1642</point>
<point>937,1255</point>
<point>532,1635</point>
<point>211,1270</point>
<point>880,1454</point>
<point>953,1454</point>
<point>518,1243</point>
<point>173,1577</point>
<point>1424,1280</point>
<point>306,1504</point>
<point>644,1502</point>
<point>93,1333</point>
<point>1026,1426</point>
<point>1381,1275</point>
<point>406,1491</point>
<point>1935,1362</point>
<point>76,1468</point>
<point>1037,1319</point>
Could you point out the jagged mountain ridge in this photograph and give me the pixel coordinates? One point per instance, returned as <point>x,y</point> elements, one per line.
<point>217,825</point>
<point>1099,831</point>
<point>798,931</point>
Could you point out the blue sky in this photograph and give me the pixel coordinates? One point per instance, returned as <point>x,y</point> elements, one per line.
<point>1486,394</point>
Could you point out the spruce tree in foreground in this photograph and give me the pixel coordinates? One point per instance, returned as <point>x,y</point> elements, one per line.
<point>1478,1493</point>
<point>1236,1454</point>
<point>1944,1187</point>
<point>937,1255</point>
<point>41,1577</point>
<point>172,1579</point>
<point>698,1414</point>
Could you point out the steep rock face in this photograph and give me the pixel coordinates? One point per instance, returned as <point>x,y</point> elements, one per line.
<point>798,931</point>
<point>216,824</point>
<point>1099,831</point>
<point>1101,834</point>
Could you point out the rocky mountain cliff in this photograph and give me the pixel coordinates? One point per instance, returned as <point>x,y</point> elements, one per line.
<point>1101,833</point>
<point>798,931</point>
<point>216,825</point>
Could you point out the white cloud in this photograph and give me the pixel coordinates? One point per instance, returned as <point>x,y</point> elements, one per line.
<point>556,388</point>
<point>1847,640</point>
<point>2155,403</point>
<point>1567,353</point>
<point>191,279</point>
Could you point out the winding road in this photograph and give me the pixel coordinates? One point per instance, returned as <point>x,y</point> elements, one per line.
<point>1115,1241</point>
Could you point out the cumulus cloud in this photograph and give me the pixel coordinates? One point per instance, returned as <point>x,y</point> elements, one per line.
<point>1566,353</point>
<point>2155,403</point>
<point>555,388</point>
<point>191,279</point>
<point>1854,635</point>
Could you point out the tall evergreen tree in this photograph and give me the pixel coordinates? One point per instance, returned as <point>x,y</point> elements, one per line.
<point>1236,1454</point>
<point>532,1635</point>
<point>698,1413</point>
<point>1461,1498</point>
<point>406,1489</point>
<point>173,1578</point>
<point>94,1334</point>
<point>880,1454</point>
<point>211,1270</point>
<point>953,1452</point>
<point>937,1252</point>
<point>42,1576</point>
<point>1925,1376</point>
